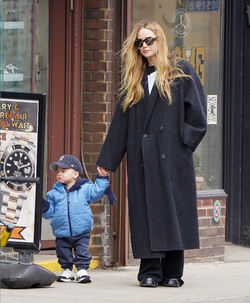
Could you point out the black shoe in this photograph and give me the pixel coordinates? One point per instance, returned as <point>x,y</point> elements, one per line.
<point>148,282</point>
<point>173,282</point>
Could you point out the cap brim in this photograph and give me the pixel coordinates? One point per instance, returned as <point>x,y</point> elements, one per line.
<point>53,165</point>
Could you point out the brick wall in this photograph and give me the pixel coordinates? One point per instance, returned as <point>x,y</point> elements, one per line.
<point>212,234</point>
<point>96,108</point>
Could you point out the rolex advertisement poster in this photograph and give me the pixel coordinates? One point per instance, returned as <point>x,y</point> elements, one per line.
<point>21,160</point>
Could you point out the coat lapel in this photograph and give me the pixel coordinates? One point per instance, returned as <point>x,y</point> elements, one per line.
<point>151,100</point>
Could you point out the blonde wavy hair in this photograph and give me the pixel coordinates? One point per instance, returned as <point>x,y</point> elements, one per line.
<point>134,65</point>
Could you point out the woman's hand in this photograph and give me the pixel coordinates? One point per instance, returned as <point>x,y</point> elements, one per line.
<point>103,172</point>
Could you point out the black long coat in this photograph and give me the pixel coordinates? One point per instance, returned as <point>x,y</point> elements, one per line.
<point>159,140</point>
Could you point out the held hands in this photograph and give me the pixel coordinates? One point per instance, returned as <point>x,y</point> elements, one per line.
<point>103,172</point>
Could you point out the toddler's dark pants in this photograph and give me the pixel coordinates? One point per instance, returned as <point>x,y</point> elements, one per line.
<point>74,250</point>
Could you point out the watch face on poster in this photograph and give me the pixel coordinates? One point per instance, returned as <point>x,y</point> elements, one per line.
<point>22,119</point>
<point>18,161</point>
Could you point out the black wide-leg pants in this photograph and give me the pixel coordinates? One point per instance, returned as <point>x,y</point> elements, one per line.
<point>161,268</point>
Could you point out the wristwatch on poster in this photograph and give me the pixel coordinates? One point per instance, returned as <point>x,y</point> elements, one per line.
<point>17,161</point>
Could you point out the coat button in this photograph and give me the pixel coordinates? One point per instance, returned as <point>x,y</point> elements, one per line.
<point>161,128</point>
<point>163,156</point>
<point>145,136</point>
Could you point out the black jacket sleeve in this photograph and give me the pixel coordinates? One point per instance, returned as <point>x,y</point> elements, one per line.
<point>195,125</point>
<point>114,147</point>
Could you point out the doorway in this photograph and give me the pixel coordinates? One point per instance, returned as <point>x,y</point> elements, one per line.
<point>245,240</point>
<point>64,108</point>
<point>64,89</point>
<point>236,177</point>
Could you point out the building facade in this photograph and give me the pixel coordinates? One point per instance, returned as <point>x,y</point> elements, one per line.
<point>69,49</point>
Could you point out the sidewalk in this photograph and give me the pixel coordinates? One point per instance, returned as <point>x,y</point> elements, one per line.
<point>233,253</point>
<point>219,282</point>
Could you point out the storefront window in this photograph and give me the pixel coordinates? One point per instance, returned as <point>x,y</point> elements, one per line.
<point>23,46</point>
<point>193,31</point>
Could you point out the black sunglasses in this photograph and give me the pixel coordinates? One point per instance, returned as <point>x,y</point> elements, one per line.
<point>149,41</point>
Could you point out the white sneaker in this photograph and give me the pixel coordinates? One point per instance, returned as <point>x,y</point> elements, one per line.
<point>66,276</point>
<point>82,276</point>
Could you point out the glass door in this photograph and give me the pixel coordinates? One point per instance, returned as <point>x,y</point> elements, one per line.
<point>23,58</point>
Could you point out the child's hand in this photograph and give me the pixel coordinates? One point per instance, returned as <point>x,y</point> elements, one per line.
<point>46,205</point>
<point>103,172</point>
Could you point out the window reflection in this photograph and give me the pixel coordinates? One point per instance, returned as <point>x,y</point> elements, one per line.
<point>193,30</point>
<point>24,46</point>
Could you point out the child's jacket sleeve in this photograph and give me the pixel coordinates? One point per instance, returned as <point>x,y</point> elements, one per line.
<point>96,191</point>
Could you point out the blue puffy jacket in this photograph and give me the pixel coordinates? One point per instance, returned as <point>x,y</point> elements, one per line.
<point>73,216</point>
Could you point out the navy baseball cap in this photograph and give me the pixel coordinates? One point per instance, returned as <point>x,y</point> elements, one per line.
<point>67,161</point>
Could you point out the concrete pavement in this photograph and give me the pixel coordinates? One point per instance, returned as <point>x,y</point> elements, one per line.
<point>219,282</point>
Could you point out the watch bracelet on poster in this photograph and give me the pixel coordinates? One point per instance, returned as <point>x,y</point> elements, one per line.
<point>15,193</point>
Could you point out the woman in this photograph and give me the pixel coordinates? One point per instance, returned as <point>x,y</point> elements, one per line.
<point>159,121</point>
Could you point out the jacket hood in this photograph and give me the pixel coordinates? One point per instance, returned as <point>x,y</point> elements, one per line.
<point>61,187</point>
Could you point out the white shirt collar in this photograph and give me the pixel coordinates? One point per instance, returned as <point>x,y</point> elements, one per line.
<point>151,81</point>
